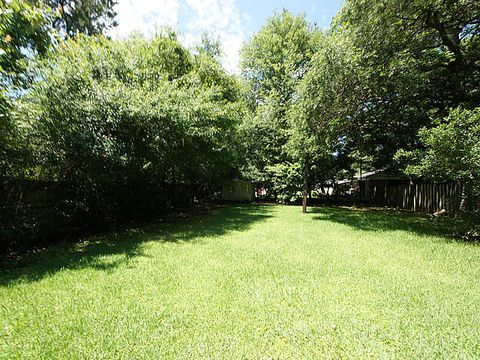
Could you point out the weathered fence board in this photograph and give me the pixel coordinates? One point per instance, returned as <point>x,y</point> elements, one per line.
<point>421,197</point>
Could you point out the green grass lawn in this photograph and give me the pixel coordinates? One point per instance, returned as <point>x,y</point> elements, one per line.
<point>250,282</point>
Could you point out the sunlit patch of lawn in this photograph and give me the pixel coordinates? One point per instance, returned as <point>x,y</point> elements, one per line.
<point>250,282</point>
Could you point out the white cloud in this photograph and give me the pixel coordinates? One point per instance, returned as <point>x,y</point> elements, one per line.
<point>218,17</point>
<point>144,16</point>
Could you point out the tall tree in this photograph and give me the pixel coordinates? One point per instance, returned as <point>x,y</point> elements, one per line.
<point>320,104</point>
<point>24,32</point>
<point>273,63</point>
<point>89,17</point>
<point>149,110</point>
<point>420,58</point>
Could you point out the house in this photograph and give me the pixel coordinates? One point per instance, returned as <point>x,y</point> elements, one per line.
<point>372,185</point>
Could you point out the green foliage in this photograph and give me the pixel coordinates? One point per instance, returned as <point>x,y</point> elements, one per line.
<point>24,33</point>
<point>286,178</point>
<point>451,148</point>
<point>125,117</point>
<point>91,17</point>
<point>273,63</point>
<point>363,90</point>
<point>418,58</point>
<point>321,104</point>
<point>436,33</point>
<point>451,151</point>
<point>277,56</point>
<point>116,120</point>
<point>210,46</point>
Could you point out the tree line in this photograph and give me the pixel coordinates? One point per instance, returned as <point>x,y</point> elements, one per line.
<point>114,123</point>
<point>391,84</point>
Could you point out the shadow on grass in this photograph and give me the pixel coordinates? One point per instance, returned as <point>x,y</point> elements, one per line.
<point>92,252</point>
<point>386,220</point>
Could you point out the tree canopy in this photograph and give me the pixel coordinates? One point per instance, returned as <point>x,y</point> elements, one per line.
<point>419,59</point>
<point>24,33</point>
<point>391,84</point>
<point>147,109</point>
<point>273,63</point>
<point>91,17</point>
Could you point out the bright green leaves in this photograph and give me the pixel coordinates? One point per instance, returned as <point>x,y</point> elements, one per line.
<point>89,17</point>
<point>273,63</point>
<point>451,152</point>
<point>128,116</point>
<point>415,59</point>
<point>277,56</point>
<point>452,148</point>
<point>24,32</point>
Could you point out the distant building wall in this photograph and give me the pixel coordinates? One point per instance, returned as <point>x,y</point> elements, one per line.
<point>238,190</point>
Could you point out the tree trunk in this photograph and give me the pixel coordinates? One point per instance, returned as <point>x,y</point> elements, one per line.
<point>174,188</point>
<point>469,197</point>
<point>305,184</point>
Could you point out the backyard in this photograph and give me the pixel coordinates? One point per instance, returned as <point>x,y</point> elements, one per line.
<point>250,282</point>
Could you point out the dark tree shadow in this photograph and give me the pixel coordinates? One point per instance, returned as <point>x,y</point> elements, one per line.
<point>387,220</point>
<point>90,252</point>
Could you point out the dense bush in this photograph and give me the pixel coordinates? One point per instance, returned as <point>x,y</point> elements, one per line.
<point>127,127</point>
<point>452,152</point>
<point>119,123</point>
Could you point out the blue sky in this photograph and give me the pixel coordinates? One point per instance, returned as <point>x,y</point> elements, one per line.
<point>320,11</point>
<point>233,21</point>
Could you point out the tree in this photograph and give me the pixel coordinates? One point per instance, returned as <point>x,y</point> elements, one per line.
<point>146,109</point>
<point>320,104</point>
<point>273,63</point>
<point>89,17</point>
<point>451,152</point>
<point>24,33</point>
<point>438,33</point>
<point>420,58</point>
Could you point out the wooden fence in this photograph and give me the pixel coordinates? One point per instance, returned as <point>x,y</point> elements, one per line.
<point>421,197</point>
<point>34,213</point>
